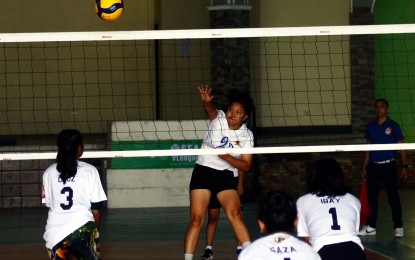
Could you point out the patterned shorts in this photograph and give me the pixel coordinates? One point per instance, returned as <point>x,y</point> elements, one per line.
<point>80,244</point>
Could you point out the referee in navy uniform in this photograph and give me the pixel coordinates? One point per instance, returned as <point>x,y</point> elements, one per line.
<point>380,167</point>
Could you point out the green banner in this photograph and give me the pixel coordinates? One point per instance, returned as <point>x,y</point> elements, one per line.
<point>155,162</point>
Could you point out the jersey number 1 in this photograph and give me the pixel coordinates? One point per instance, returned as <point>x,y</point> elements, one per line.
<point>333,213</point>
<point>69,198</point>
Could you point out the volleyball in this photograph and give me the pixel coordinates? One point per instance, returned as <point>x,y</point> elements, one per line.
<point>109,10</point>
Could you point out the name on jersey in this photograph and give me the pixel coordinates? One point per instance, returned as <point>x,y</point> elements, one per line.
<point>72,179</point>
<point>329,200</point>
<point>283,249</point>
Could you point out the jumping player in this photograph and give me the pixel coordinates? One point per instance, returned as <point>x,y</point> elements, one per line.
<point>73,192</point>
<point>276,217</point>
<point>328,216</point>
<point>213,175</point>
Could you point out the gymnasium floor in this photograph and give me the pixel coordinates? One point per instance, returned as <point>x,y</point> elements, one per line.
<point>157,233</point>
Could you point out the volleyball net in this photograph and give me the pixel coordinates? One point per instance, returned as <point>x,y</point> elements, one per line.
<point>134,93</point>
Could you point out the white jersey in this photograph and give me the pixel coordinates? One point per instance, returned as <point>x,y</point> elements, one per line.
<point>70,203</point>
<point>220,136</point>
<point>279,246</point>
<point>328,220</point>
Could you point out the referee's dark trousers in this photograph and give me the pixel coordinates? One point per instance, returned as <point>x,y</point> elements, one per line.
<point>377,174</point>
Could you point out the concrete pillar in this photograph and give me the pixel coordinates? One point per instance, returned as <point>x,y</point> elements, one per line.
<point>230,58</point>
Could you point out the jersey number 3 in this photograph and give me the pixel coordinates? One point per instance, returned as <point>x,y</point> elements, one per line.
<point>69,198</point>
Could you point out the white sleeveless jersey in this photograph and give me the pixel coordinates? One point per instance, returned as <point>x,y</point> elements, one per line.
<point>70,203</point>
<point>328,220</point>
<point>279,246</point>
<point>220,136</point>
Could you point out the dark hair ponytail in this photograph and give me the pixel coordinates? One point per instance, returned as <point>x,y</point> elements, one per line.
<point>69,141</point>
<point>326,179</point>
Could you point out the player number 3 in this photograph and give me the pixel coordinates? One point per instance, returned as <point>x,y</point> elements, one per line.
<point>69,198</point>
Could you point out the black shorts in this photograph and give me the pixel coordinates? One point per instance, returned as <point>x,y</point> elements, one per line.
<point>214,202</point>
<point>211,179</point>
<point>345,250</point>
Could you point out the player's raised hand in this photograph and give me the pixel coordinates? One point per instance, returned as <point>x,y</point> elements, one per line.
<point>206,93</point>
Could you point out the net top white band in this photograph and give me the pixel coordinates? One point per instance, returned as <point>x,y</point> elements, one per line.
<point>207,33</point>
<point>185,152</point>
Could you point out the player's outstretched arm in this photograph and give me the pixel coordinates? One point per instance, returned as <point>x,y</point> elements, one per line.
<point>243,163</point>
<point>206,95</point>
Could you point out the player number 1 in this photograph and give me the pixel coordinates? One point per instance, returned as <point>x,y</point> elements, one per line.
<point>333,213</point>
